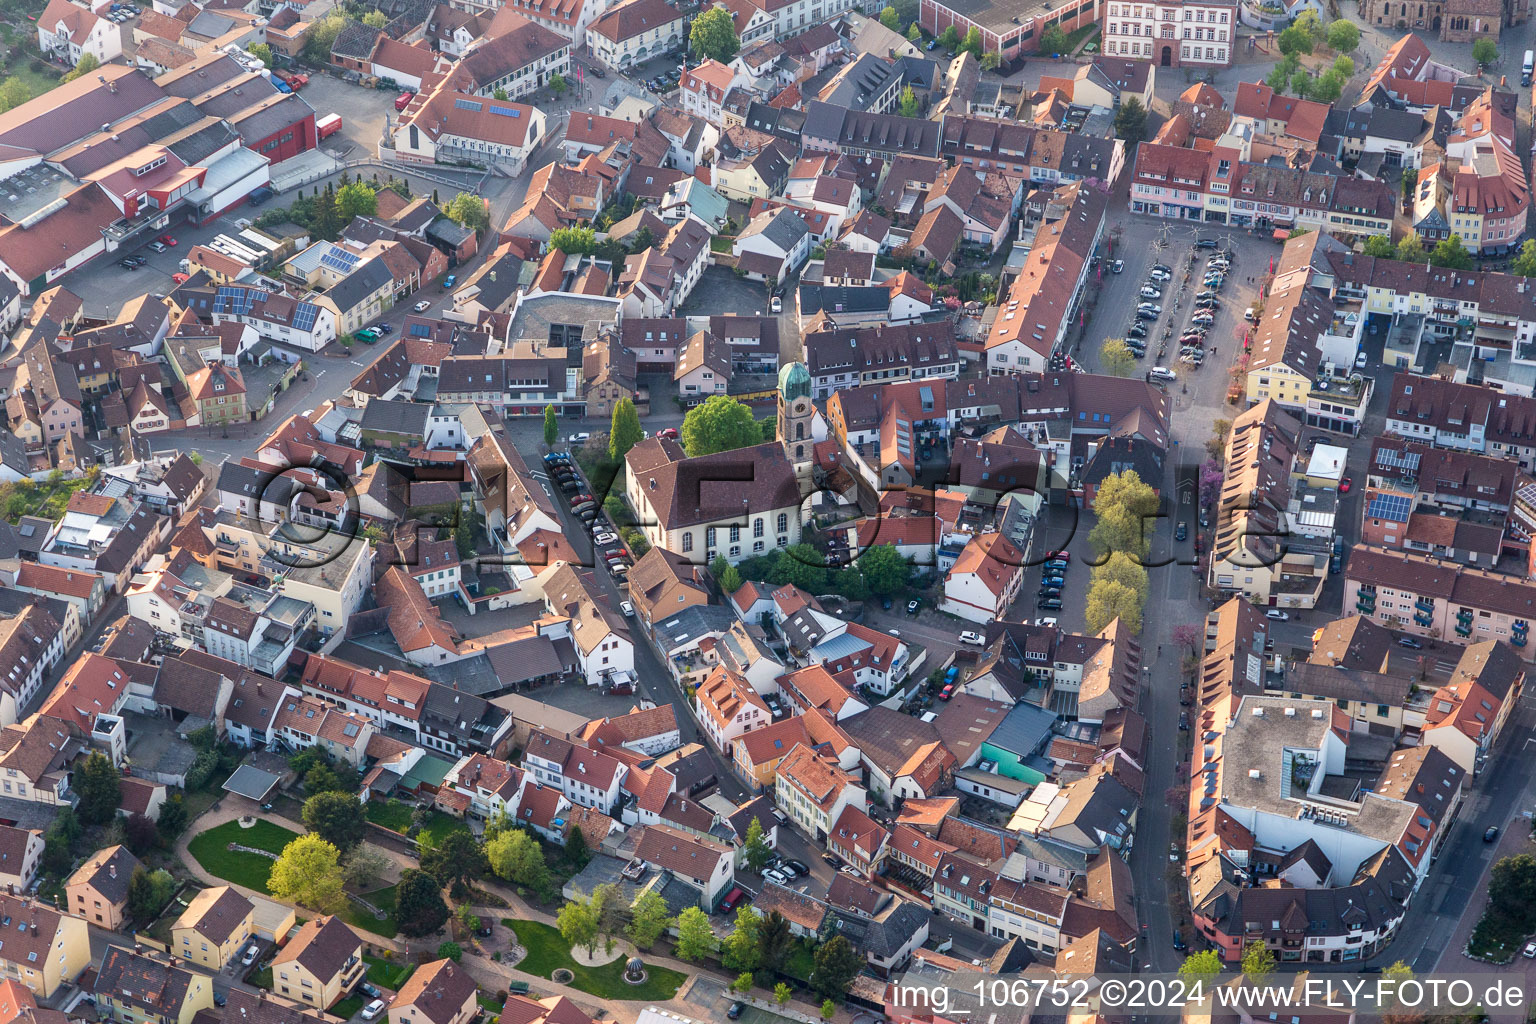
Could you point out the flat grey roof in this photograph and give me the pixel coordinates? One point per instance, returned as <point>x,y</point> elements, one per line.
<point>251,783</point>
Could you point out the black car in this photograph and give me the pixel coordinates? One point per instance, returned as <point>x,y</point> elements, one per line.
<point>1136,331</point>
<point>1178,941</point>
<point>735,1011</point>
<point>1491,834</point>
<point>1049,604</point>
<point>1145,314</point>
<point>1046,592</point>
<point>829,859</point>
<point>219,999</point>
<point>598,72</point>
<point>1205,243</point>
<point>799,866</point>
<point>1181,531</point>
<point>1183,721</point>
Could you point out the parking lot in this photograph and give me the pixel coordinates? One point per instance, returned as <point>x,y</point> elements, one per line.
<point>364,114</point>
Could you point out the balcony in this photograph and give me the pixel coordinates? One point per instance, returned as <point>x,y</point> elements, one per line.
<point>1425,604</point>
<point>1465,615</point>
<point>1423,620</point>
<point>1462,630</point>
<point>1518,639</point>
<point>1365,603</point>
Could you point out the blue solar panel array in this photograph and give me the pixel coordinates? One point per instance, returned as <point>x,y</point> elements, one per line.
<point>506,111</point>
<point>235,301</point>
<point>304,314</point>
<point>468,105</point>
<point>421,330</point>
<point>339,259</point>
<point>1394,507</point>
<point>1398,459</point>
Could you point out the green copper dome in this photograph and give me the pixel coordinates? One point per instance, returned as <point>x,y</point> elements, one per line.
<point>794,381</point>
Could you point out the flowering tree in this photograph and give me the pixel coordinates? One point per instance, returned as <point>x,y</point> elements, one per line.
<point>1187,635</point>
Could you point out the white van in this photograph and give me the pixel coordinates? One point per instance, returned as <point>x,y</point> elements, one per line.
<point>1528,67</point>
<point>1162,373</point>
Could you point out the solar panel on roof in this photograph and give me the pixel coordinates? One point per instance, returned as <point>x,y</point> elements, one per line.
<point>468,105</point>
<point>304,315</point>
<point>1390,506</point>
<point>506,111</point>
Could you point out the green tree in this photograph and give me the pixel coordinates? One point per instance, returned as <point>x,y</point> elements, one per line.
<point>468,210</point>
<point>1312,25</point>
<point>890,19</point>
<point>59,841</point>
<point>1302,83</point>
<point>624,432</point>
<point>1053,40</point>
<point>740,951</point>
<point>720,424</point>
<point>914,33</point>
<point>1380,246</point>
<point>1328,87</point>
<point>173,819</point>
<point>828,1010</point>
<point>516,856</point>
<point>578,923</point>
<point>1343,36</point>
<point>1126,509</point>
<point>356,200</point>
<point>755,847</point>
<point>1121,568</point>
<point>1279,78</point>
<point>782,993</point>
<point>1203,966</point>
<point>262,52</point>
<point>908,102</point>
<point>742,984</point>
<point>991,60</point>
<point>1258,962</point>
<point>13,93</point>
<point>100,790</point>
<point>375,19</point>
<point>1485,50</point>
<point>557,84</point>
<point>419,906</point>
<point>1109,601</point>
<point>886,570</point>
<point>454,860</point>
<point>148,893</point>
<point>576,852</point>
<point>326,221</point>
<point>730,580</point>
<point>773,941</point>
<point>450,950</point>
<point>837,964</point>
<point>1411,249</point>
<point>1451,254</point>
<point>551,427</point>
<point>713,36</point>
<point>499,93</point>
<point>577,241</point>
<point>1116,358</point>
<point>802,565</point>
<point>648,918</point>
<point>1131,120</point>
<point>84,66</point>
<point>322,36</point>
<point>1524,262</point>
<point>695,941</point>
<point>1294,40</point>
<point>950,38</point>
<point>1344,65</point>
<point>1512,888</point>
<point>972,42</point>
<point>308,872</point>
<point>337,818</point>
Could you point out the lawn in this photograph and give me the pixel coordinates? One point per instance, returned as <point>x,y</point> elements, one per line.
<point>47,499</point>
<point>547,952</point>
<point>389,975</point>
<point>252,870</point>
<point>488,1003</point>
<point>396,817</point>
<point>800,961</point>
<point>347,1008</point>
<point>1081,35</point>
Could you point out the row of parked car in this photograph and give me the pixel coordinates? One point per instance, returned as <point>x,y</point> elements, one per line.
<point>1053,577</point>
<point>607,548</point>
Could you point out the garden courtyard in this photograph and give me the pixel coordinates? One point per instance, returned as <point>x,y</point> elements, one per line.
<point>211,849</point>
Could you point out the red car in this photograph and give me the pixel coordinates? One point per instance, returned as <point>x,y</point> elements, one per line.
<point>1065,556</point>
<point>1344,486</point>
<point>668,432</point>
<point>947,692</point>
<point>167,239</point>
<point>731,899</point>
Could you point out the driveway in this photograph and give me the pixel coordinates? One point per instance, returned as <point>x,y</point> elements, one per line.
<point>720,291</point>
